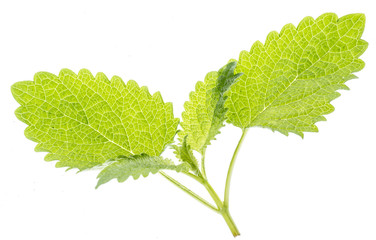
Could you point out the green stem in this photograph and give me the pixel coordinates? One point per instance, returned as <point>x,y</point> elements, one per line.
<point>223,210</point>
<point>203,163</point>
<point>197,178</point>
<point>222,207</point>
<point>213,194</point>
<point>230,169</point>
<point>190,192</point>
<point>230,222</point>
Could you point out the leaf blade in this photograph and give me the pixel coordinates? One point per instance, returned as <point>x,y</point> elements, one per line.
<point>83,121</point>
<point>205,113</point>
<point>124,167</point>
<point>289,81</point>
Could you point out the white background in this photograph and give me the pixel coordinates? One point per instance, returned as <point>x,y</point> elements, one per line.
<point>322,187</point>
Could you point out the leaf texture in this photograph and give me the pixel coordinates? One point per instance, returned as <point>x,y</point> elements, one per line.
<point>124,167</point>
<point>185,154</point>
<point>289,81</point>
<point>205,113</point>
<point>83,121</point>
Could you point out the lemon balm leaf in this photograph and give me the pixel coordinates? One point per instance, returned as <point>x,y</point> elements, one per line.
<point>289,82</point>
<point>83,121</point>
<point>137,165</point>
<point>205,113</point>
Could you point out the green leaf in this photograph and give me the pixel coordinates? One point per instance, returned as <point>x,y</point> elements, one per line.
<point>84,121</point>
<point>124,167</point>
<point>204,113</point>
<point>289,81</point>
<point>185,154</point>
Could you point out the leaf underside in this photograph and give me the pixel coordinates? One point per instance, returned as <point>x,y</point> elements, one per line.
<point>289,82</point>
<point>124,167</point>
<point>83,121</point>
<point>205,113</point>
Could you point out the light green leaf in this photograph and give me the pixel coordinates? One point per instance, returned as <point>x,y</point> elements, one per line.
<point>124,167</point>
<point>289,81</point>
<point>84,121</point>
<point>204,113</point>
<point>185,154</point>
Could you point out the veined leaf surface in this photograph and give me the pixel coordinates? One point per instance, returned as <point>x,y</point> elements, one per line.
<point>83,121</point>
<point>205,113</point>
<point>124,167</point>
<point>289,81</point>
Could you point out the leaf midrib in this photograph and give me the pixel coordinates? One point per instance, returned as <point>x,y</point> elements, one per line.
<point>297,77</point>
<point>117,144</point>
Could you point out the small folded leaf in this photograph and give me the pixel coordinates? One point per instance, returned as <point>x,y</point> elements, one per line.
<point>124,167</point>
<point>83,121</point>
<point>204,113</point>
<point>185,154</point>
<point>289,81</point>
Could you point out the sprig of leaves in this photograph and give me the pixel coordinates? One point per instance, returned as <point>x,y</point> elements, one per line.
<point>285,84</point>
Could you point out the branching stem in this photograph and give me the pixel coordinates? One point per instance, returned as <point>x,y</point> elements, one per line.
<point>190,192</point>
<point>197,178</point>
<point>221,209</point>
<point>222,206</point>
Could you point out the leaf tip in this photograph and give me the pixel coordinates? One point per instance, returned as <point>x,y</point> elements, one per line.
<point>98,185</point>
